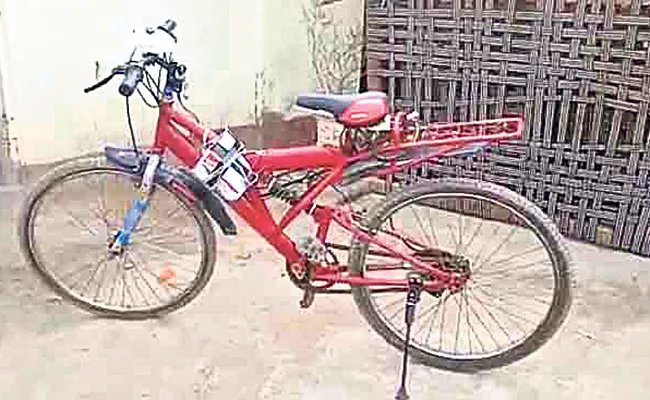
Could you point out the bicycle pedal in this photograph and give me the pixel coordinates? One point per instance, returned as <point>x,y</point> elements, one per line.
<point>308,297</point>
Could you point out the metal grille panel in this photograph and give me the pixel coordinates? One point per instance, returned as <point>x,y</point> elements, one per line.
<point>579,72</point>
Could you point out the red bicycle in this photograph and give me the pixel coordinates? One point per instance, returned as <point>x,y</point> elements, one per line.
<point>134,236</point>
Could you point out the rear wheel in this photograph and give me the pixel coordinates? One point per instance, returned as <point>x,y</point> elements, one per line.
<point>70,219</point>
<point>519,290</point>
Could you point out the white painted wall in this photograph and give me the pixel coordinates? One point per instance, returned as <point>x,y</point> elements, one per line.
<point>286,53</point>
<point>49,48</point>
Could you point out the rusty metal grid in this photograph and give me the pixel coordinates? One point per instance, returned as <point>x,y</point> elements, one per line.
<point>579,72</point>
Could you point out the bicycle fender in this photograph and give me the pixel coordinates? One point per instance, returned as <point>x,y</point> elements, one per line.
<point>210,200</point>
<point>126,159</point>
<point>129,161</point>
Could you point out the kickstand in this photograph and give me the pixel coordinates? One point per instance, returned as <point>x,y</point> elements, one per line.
<point>412,299</point>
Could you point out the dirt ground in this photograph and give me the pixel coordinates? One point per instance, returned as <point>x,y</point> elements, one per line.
<point>246,338</point>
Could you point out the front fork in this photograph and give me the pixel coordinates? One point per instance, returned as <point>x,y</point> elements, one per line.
<point>138,207</point>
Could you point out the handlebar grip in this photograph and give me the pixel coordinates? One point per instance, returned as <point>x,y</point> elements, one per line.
<point>132,77</point>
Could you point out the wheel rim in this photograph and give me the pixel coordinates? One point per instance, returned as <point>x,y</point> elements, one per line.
<point>476,309</point>
<point>85,210</point>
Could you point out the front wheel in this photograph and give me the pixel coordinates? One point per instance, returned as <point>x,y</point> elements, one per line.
<point>69,224</point>
<point>519,289</point>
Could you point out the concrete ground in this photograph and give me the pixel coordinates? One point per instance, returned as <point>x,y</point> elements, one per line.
<point>246,338</point>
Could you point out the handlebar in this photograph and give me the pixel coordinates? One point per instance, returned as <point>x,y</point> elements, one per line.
<point>133,73</point>
<point>116,71</point>
<point>100,83</point>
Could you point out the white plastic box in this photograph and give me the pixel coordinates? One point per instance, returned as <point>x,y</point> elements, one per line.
<point>223,166</point>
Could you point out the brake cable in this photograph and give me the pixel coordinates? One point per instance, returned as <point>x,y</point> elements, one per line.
<point>128,118</point>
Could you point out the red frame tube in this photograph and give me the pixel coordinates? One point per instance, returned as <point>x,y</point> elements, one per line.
<point>178,131</point>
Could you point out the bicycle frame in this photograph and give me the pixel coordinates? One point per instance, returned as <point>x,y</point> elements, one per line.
<point>253,209</point>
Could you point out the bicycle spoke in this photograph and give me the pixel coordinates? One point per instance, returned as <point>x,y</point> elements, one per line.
<point>136,267</point>
<point>525,295</point>
<point>101,282</point>
<point>434,309</point>
<point>102,204</point>
<point>478,254</point>
<point>524,282</point>
<point>168,217</point>
<point>124,290</point>
<point>149,272</point>
<point>516,255</point>
<point>167,235</point>
<point>505,332</point>
<point>508,271</point>
<point>118,269</point>
<point>76,271</point>
<point>137,286</point>
<point>180,241</point>
<point>471,240</point>
<point>517,304</point>
<point>442,323</point>
<point>507,239</point>
<point>399,301</point>
<point>80,224</point>
<point>480,321</point>
<point>442,301</point>
<point>433,234</point>
<point>422,230</point>
<point>453,237</point>
<point>469,325</point>
<point>159,249</point>
<point>460,233</point>
<point>460,313</point>
<point>467,321</point>
<point>397,312</point>
<point>83,268</point>
<point>92,277</point>
<point>512,317</point>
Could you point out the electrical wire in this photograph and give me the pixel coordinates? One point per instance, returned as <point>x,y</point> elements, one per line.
<point>149,83</point>
<point>153,87</point>
<point>180,100</point>
<point>160,69</point>
<point>152,84</point>
<point>145,100</point>
<point>128,118</point>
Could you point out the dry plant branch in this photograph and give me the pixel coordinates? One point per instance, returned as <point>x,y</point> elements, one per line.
<point>335,49</point>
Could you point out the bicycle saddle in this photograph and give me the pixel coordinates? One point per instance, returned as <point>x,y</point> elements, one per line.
<point>354,111</point>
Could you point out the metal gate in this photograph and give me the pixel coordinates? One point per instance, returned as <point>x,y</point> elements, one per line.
<point>578,71</point>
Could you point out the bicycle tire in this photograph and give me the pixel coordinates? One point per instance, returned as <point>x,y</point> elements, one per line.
<point>562,297</point>
<point>99,164</point>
